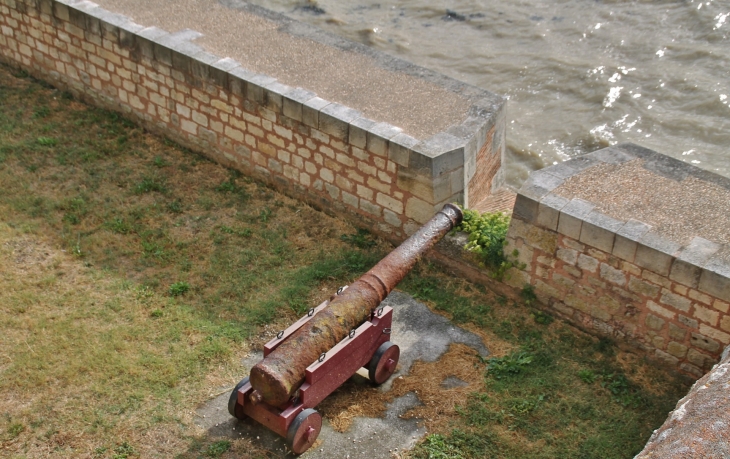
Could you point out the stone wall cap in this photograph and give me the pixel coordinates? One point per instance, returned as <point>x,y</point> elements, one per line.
<point>226,64</point>
<point>540,183</point>
<point>438,144</point>
<point>633,229</point>
<point>152,33</point>
<point>300,95</point>
<point>578,208</point>
<point>261,80</point>
<point>278,88</point>
<point>612,155</point>
<point>404,140</point>
<point>385,130</point>
<point>698,251</point>
<point>554,201</point>
<point>659,243</point>
<point>602,220</point>
<point>316,103</point>
<point>719,264</point>
<point>341,112</point>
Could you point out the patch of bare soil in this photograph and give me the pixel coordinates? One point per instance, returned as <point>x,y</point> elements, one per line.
<point>426,380</point>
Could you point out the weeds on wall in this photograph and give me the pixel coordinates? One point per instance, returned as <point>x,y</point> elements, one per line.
<point>487,239</point>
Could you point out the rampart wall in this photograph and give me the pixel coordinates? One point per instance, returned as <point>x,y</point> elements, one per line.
<point>657,285</point>
<point>313,149</point>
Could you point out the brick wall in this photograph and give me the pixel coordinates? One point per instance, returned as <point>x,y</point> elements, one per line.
<point>616,277</point>
<point>315,150</point>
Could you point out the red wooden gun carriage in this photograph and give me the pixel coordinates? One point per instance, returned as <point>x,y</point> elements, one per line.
<point>318,353</point>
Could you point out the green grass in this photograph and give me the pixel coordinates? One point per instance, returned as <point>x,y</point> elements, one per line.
<point>135,274</point>
<point>172,265</point>
<point>558,393</point>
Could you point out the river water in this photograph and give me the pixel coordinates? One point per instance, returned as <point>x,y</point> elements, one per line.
<point>579,74</point>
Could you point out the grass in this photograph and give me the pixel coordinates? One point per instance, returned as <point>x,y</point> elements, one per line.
<point>134,274</point>
<point>549,391</point>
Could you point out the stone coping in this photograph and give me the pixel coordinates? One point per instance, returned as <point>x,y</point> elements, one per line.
<point>435,153</point>
<point>700,263</point>
<point>698,426</point>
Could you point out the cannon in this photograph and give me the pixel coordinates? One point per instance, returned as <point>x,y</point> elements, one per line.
<point>315,355</point>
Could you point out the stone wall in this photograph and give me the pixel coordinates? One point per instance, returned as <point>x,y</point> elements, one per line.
<point>698,426</point>
<point>618,276</point>
<point>313,149</point>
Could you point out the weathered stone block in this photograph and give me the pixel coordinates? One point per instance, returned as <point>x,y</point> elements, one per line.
<point>525,209</point>
<point>418,185</point>
<point>612,274</point>
<point>400,151</point>
<point>698,358</point>
<point>378,136</point>
<point>706,315</point>
<point>598,230</point>
<point>685,273</point>
<point>715,278</point>
<point>656,253</point>
<point>563,282</point>
<point>691,369</point>
<point>654,322</point>
<point>569,256</point>
<point>419,210</point>
<point>547,241</point>
<point>676,301</point>
<point>334,119</point>
<point>721,306</point>
<point>703,342</point>
<point>676,332</point>
<point>516,278</point>
<point>311,109</point>
<point>676,349</point>
<point>725,323</point>
<point>587,263</point>
<point>578,303</point>
<point>573,271</point>
<point>660,310</point>
<point>573,244</point>
<point>358,131</point>
<point>658,341</point>
<point>571,217</point>
<point>293,101</point>
<point>548,211</point>
<point>691,323</point>
<point>552,292</point>
<point>641,287</point>
<point>666,358</point>
<point>714,333</point>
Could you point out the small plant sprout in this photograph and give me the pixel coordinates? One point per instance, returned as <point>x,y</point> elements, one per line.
<point>179,288</point>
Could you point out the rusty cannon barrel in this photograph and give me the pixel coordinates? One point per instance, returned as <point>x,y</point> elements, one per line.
<point>278,376</point>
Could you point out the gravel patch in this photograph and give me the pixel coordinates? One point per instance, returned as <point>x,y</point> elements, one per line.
<point>678,211</point>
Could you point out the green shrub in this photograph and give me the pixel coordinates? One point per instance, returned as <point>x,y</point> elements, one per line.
<point>487,233</point>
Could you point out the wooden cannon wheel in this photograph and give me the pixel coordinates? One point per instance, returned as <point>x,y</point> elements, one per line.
<point>382,365</point>
<point>303,431</point>
<point>234,408</point>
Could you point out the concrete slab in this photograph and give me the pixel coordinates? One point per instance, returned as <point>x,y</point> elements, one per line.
<point>420,334</point>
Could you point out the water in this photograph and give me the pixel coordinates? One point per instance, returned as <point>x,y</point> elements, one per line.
<point>579,74</point>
